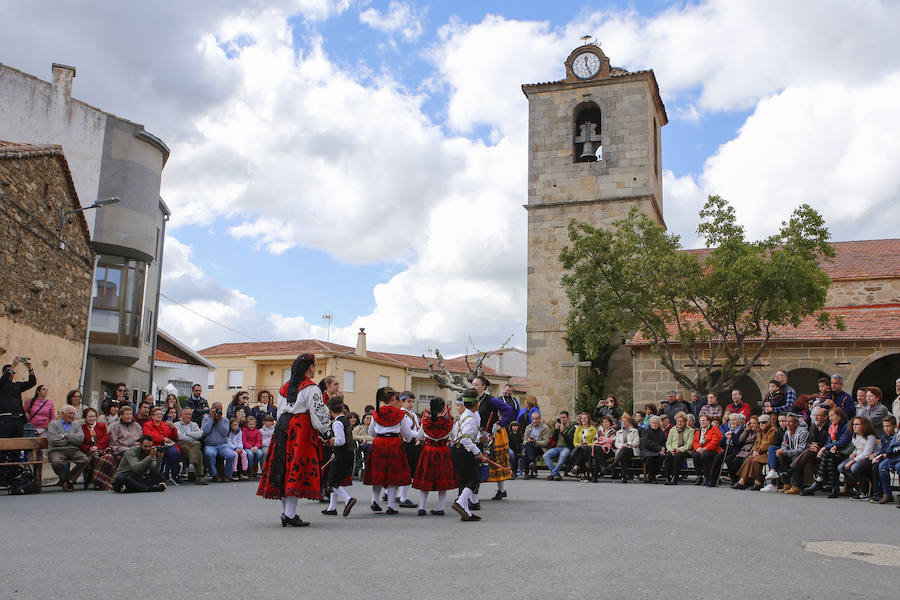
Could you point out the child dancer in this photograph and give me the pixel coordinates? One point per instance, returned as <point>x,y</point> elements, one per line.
<point>252,444</point>
<point>236,443</point>
<point>412,449</point>
<point>466,455</point>
<point>340,471</point>
<point>387,466</point>
<point>435,469</point>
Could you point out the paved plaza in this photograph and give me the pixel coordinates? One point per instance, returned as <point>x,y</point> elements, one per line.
<point>564,539</point>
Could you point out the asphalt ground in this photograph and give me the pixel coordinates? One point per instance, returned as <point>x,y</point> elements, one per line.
<point>548,539</point>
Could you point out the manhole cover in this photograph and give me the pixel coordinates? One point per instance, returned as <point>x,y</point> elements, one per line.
<point>877,554</point>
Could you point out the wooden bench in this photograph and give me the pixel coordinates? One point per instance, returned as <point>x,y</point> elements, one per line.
<point>34,445</point>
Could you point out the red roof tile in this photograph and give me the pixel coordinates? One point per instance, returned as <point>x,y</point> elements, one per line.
<point>166,357</point>
<point>863,259</point>
<point>862,323</point>
<point>455,365</point>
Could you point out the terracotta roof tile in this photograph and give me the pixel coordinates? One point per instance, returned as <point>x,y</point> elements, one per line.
<point>20,150</point>
<point>863,259</point>
<point>166,357</point>
<point>862,323</point>
<point>455,365</point>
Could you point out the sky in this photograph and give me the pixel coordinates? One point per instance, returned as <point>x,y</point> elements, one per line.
<point>368,160</point>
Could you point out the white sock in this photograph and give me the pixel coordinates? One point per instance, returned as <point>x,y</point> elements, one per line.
<point>392,496</point>
<point>464,499</point>
<point>332,501</point>
<point>474,499</point>
<point>283,504</point>
<point>376,494</point>
<point>341,493</point>
<point>442,499</point>
<point>423,498</point>
<point>290,507</point>
<point>404,490</point>
<point>500,486</point>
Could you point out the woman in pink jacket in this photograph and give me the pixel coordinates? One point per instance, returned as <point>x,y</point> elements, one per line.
<point>39,410</point>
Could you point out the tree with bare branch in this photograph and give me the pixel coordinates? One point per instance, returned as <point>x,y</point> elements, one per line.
<point>457,382</point>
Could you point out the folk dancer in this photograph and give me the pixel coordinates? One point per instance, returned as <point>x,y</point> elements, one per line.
<point>412,448</point>
<point>340,471</point>
<point>499,414</point>
<point>387,466</point>
<point>434,471</point>
<point>466,454</point>
<point>292,464</point>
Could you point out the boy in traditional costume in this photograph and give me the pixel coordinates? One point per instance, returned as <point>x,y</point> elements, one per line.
<point>340,471</point>
<point>466,455</point>
<point>412,448</point>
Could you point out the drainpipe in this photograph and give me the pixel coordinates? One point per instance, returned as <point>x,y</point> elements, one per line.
<point>87,333</point>
<point>159,266</point>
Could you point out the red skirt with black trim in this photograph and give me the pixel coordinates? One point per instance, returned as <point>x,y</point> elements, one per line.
<point>386,464</point>
<point>301,463</point>
<point>435,470</point>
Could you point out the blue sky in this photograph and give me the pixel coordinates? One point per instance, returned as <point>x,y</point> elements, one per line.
<point>368,158</point>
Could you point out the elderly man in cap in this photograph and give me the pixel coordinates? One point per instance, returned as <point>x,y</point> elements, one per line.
<point>751,468</point>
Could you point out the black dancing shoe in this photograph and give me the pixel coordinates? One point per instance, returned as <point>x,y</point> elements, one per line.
<point>375,507</point>
<point>332,512</point>
<point>471,518</point>
<point>437,513</point>
<point>349,506</point>
<point>499,495</point>
<point>476,506</point>
<point>294,521</point>
<point>407,504</point>
<point>422,512</point>
<point>391,511</point>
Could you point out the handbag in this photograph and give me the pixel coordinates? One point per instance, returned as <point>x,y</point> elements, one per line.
<point>29,430</point>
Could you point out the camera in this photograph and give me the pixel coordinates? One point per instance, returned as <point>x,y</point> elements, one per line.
<point>559,421</point>
<point>22,359</point>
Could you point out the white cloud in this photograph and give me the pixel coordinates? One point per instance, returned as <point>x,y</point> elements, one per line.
<point>400,18</point>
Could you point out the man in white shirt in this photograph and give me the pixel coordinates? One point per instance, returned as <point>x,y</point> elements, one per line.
<point>466,454</point>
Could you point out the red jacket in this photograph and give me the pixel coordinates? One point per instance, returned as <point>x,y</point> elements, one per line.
<point>711,442</point>
<point>158,430</point>
<point>101,437</point>
<point>252,438</point>
<point>744,409</point>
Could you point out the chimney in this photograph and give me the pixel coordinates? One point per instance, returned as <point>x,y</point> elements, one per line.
<point>361,342</point>
<point>62,80</point>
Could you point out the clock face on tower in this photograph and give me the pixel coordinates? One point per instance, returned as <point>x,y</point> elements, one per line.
<point>586,65</point>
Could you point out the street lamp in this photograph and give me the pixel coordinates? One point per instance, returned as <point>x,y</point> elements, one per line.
<point>63,213</point>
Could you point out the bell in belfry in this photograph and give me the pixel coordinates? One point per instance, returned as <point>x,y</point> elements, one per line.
<point>587,135</point>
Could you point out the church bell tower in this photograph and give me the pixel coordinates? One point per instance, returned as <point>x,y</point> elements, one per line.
<point>593,153</point>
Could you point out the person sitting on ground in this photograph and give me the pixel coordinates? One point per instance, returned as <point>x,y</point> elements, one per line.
<point>65,438</point>
<point>609,406</point>
<point>583,439</point>
<point>515,447</point>
<point>751,468</point>
<point>537,439</point>
<point>781,457</point>
<point>678,445</point>
<point>139,469</point>
<point>706,448</point>
<point>190,444</point>
<point>252,439</point>
<point>874,410</point>
<point>730,444</point>
<point>561,440</point>
<point>95,444</point>
<point>712,408</point>
<point>885,454</point>
<point>39,410</point>
<point>857,467</point>
<point>215,431</point>
<point>653,447</point>
<point>627,446</point>
<point>835,450</point>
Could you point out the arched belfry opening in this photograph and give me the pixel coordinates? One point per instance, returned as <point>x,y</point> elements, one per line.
<point>586,138</point>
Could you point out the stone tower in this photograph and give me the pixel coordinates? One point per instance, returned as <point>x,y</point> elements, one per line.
<point>593,153</point>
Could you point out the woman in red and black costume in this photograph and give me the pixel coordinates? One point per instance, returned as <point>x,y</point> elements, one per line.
<point>435,468</point>
<point>292,464</point>
<point>386,466</point>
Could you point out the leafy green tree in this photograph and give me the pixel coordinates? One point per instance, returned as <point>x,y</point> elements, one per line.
<point>720,307</point>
